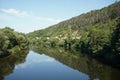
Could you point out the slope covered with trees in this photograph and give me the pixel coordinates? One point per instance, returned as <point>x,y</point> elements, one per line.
<point>79,22</point>
<point>11,42</point>
<point>96,33</point>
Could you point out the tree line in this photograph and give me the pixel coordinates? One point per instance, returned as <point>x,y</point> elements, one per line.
<point>96,33</point>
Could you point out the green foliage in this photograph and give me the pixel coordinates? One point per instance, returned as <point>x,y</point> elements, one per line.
<point>80,24</point>
<point>11,40</point>
<point>115,40</point>
<point>98,39</point>
<point>115,44</point>
<point>7,64</point>
<point>96,33</point>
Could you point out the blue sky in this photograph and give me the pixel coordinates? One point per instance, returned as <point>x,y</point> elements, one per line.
<point>29,15</point>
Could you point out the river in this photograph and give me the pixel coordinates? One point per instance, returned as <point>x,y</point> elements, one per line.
<point>56,64</point>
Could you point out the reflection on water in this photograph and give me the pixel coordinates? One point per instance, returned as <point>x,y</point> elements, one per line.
<point>54,64</point>
<point>82,63</point>
<point>43,67</point>
<point>7,64</point>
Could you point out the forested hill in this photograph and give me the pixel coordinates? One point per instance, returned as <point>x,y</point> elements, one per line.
<point>96,33</point>
<point>78,22</point>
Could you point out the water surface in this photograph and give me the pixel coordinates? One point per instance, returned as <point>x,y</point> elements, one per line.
<point>55,64</point>
<point>43,67</point>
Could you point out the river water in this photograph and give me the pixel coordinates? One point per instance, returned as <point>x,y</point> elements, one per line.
<point>56,64</point>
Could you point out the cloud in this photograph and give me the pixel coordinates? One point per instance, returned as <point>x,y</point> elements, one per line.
<point>45,19</point>
<point>34,61</point>
<point>15,12</point>
<point>43,60</point>
<point>20,13</point>
<point>19,20</point>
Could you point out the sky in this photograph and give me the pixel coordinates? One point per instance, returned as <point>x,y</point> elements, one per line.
<point>30,15</point>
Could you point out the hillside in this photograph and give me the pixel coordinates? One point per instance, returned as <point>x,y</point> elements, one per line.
<point>96,33</point>
<point>79,22</point>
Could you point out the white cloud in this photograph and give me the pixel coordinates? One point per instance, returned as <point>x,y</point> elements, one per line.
<point>50,19</point>
<point>29,64</point>
<point>25,21</point>
<point>42,60</point>
<point>15,12</point>
<point>19,13</point>
<point>45,19</point>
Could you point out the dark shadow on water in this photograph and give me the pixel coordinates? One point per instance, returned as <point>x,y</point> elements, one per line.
<point>81,62</point>
<point>7,64</point>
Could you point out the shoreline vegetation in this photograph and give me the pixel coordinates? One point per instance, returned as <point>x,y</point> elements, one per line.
<point>8,63</point>
<point>78,61</point>
<point>11,42</point>
<point>96,33</point>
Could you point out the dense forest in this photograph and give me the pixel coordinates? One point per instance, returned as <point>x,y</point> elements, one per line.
<point>80,22</point>
<point>12,42</point>
<point>96,33</point>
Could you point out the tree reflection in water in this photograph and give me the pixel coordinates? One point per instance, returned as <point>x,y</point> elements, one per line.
<point>7,64</point>
<point>81,62</point>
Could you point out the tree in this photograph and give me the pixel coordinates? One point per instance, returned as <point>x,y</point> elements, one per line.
<point>115,40</point>
<point>11,41</point>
